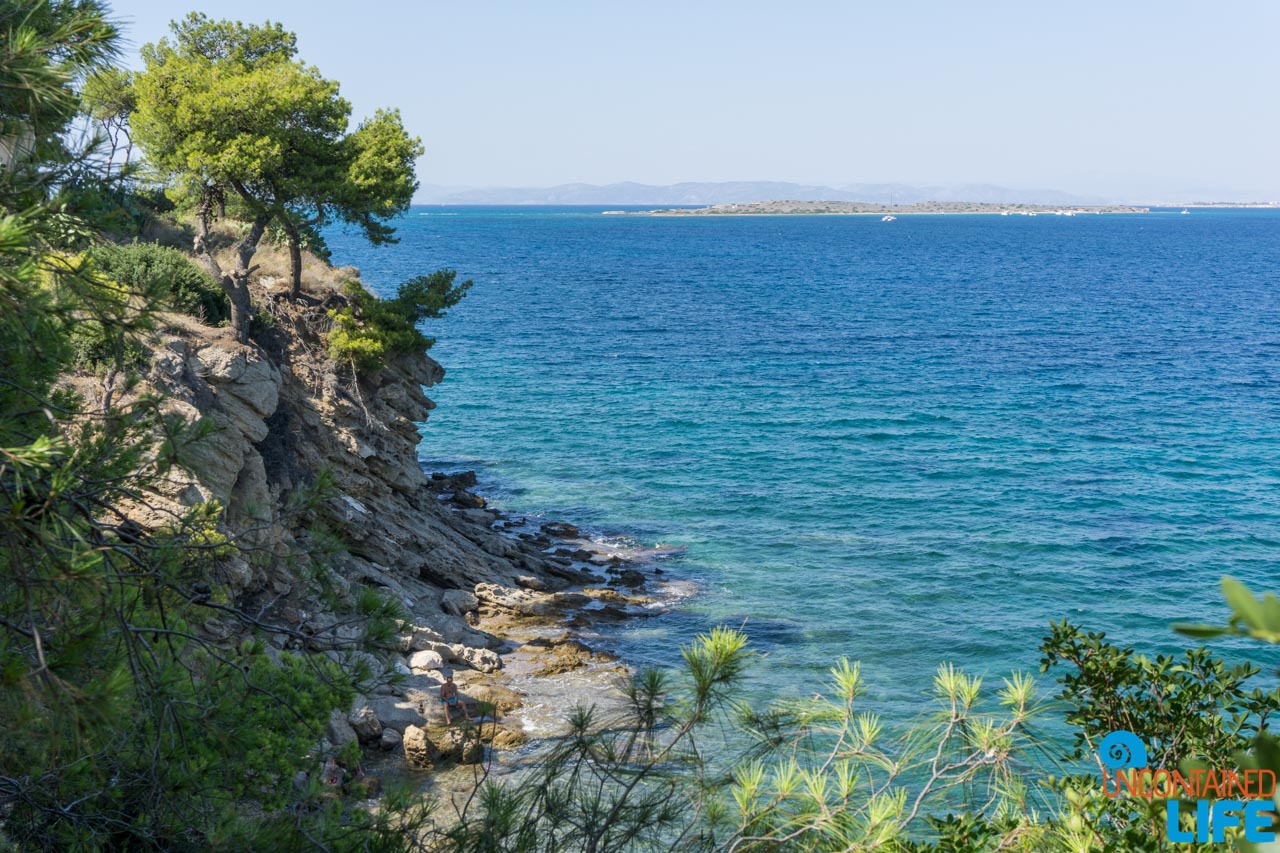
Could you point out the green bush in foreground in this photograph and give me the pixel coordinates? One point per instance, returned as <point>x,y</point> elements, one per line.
<point>808,774</point>
<point>691,765</point>
<point>125,724</point>
<point>368,331</point>
<point>180,284</point>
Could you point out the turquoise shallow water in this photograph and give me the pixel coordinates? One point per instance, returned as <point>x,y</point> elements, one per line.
<point>903,442</point>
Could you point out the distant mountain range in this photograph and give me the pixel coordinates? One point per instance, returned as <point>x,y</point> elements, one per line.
<point>742,192</point>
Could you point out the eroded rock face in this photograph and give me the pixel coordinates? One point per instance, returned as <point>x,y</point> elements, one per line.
<point>246,385</point>
<point>277,413</point>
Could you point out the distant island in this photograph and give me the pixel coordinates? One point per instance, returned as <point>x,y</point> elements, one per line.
<point>743,192</point>
<point>1248,205</point>
<point>845,208</point>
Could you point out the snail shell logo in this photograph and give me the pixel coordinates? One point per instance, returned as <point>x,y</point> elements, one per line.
<point>1122,749</point>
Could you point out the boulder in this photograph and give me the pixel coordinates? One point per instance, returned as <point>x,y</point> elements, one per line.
<point>425,661</point>
<point>468,500</point>
<point>508,738</point>
<point>522,602</point>
<point>460,745</point>
<point>483,660</point>
<point>419,751</point>
<point>394,713</point>
<point>390,739</point>
<point>459,602</point>
<point>339,731</point>
<point>503,699</point>
<point>479,517</point>
<point>425,638</point>
<point>531,582</point>
<point>365,723</point>
<point>454,630</point>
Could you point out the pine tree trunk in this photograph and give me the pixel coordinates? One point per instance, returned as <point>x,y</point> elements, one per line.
<point>295,268</point>
<point>237,290</point>
<point>295,259</point>
<point>235,283</point>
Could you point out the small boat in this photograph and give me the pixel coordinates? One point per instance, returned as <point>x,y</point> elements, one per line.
<point>889,218</point>
<point>1185,211</point>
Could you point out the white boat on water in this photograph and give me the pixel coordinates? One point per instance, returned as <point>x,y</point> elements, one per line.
<point>1185,211</point>
<point>889,218</point>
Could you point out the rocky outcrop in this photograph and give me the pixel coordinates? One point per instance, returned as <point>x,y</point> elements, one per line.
<point>297,452</point>
<point>273,420</point>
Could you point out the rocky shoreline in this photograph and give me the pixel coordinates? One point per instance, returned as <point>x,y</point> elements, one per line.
<point>513,650</point>
<point>316,473</point>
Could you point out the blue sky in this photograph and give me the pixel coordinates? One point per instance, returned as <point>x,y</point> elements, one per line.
<point>1128,99</point>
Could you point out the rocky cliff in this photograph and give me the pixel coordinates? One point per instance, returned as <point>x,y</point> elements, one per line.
<point>300,451</point>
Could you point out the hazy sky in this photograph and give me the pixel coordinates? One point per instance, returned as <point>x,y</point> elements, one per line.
<point>1125,98</point>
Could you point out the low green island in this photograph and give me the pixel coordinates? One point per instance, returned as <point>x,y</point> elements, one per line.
<point>861,208</point>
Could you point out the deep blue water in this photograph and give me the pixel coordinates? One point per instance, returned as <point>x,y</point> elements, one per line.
<point>903,442</point>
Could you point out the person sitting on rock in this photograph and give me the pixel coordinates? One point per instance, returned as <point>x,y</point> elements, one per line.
<point>449,697</point>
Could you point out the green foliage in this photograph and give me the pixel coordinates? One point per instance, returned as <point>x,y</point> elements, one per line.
<point>125,721</point>
<point>379,181</point>
<point>45,47</point>
<point>108,99</point>
<point>1188,710</point>
<point>1257,618</point>
<point>226,103</point>
<point>1195,706</point>
<point>107,94</point>
<point>368,331</point>
<point>817,774</point>
<point>168,273</point>
<point>226,107</point>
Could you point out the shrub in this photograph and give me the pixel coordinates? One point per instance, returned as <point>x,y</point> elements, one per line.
<point>148,268</point>
<point>368,330</point>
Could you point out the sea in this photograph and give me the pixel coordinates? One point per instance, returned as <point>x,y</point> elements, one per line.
<point>907,443</point>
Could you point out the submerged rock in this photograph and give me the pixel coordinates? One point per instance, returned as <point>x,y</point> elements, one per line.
<point>561,530</point>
